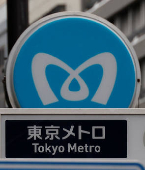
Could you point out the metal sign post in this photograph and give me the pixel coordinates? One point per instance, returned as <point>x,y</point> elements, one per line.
<point>17,11</point>
<point>17,22</point>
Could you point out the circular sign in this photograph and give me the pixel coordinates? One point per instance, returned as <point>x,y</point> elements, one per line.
<point>73,60</point>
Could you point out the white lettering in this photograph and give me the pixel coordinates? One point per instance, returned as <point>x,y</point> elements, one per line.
<point>47,148</point>
<point>94,128</point>
<point>41,149</point>
<point>85,148</point>
<point>35,146</point>
<point>73,148</point>
<point>80,149</point>
<point>97,149</point>
<point>61,149</point>
<point>54,149</point>
<point>91,148</point>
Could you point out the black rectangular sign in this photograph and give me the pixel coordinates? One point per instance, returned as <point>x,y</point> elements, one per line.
<point>66,138</point>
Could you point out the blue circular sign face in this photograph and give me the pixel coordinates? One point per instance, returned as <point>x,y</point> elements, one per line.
<point>73,62</point>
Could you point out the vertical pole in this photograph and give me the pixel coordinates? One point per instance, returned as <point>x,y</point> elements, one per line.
<point>17,20</point>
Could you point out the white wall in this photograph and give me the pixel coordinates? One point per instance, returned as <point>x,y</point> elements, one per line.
<point>38,8</point>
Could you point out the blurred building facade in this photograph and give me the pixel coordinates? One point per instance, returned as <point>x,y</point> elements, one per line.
<point>127,15</point>
<point>3,48</point>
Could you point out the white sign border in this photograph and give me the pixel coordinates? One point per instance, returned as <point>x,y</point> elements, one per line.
<point>41,22</point>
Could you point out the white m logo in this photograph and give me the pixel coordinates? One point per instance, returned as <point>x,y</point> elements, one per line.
<point>106,60</point>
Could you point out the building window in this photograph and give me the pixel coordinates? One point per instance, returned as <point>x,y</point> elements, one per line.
<point>131,21</point>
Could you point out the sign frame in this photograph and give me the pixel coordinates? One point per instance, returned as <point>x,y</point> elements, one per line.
<point>84,114</point>
<point>68,164</point>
